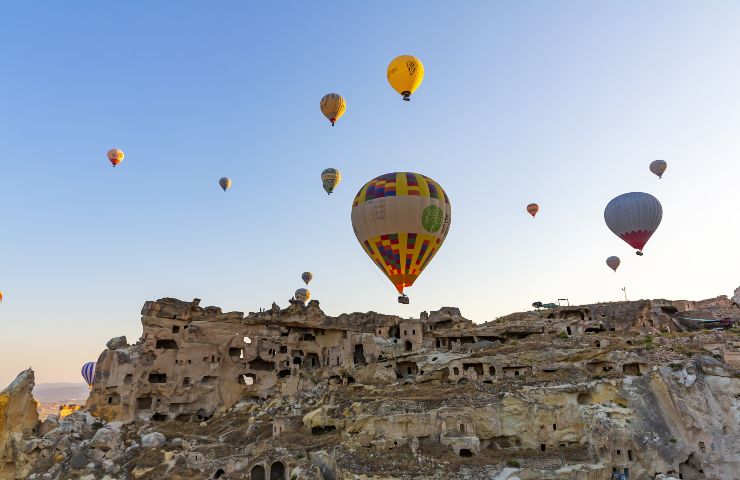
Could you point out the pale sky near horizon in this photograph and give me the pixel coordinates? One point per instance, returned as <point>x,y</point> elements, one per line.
<point>560,103</point>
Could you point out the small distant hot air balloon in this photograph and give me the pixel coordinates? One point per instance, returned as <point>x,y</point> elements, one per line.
<point>225,183</point>
<point>302,295</point>
<point>634,217</point>
<point>613,262</point>
<point>330,178</point>
<point>658,167</point>
<point>532,209</point>
<point>115,156</point>
<point>88,373</point>
<point>333,107</point>
<point>401,220</point>
<point>1,297</point>
<point>307,277</point>
<point>405,74</point>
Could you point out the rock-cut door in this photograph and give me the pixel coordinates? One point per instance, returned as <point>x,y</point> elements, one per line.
<point>257,473</point>
<point>277,471</point>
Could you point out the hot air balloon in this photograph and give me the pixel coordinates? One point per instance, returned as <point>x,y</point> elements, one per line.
<point>634,217</point>
<point>225,183</point>
<point>115,156</point>
<point>405,74</point>
<point>532,209</point>
<point>307,277</point>
<point>1,297</point>
<point>658,167</point>
<point>333,107</point>
<point>330,178</point>
<point>88,373</point>
<point>302,295</point>
<point>613,262</point>
<point>401,220</point>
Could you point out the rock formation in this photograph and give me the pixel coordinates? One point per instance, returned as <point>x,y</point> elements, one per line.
<point>583,392</point>
<point>18,420</point>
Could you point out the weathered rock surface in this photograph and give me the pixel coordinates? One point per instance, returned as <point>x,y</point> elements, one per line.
<point>117,342</point>
<point>18,419</point>
<point>590,392</point>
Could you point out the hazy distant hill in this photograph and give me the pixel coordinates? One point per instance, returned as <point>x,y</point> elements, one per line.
<point>60,392</point>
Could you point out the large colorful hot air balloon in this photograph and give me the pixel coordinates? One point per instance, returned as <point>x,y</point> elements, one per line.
<point>613,262</point>
<point>225,183</point>
<point>401,220</point>
<point>658,167</point>
<point>302,295</point>
<point>115,156</point>
<point>532,209</point>
<point>88,373</point>
<point>330,178</point>
<point>333,107</point>
<point>634,217</point>
<point>306,277</point>
<point>405,74</point>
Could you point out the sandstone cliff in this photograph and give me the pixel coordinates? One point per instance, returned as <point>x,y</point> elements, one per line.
<point>584,393</point>
<point>18,419</point>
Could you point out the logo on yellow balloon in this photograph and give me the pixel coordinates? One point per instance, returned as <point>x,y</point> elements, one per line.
<point>431,218</point>
<point>411,65</point>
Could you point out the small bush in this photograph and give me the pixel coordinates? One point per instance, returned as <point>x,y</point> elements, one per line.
<point>676,366</point>
<point>597,377</point>
<point>513,463</point>
<point>648,340</point>
<point>673,440</point>
<point>563,335</point>
<point>96,426</point>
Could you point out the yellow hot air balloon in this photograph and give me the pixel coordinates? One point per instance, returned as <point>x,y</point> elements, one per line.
<point>401,220</point>
<point>115,156</point>
<point>330,178</point>
<point>405,74</point>
<point>1,297</point>
<point>333,107</point>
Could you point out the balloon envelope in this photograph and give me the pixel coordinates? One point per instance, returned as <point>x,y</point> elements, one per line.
<point>307,277</point>
<point>532,209</point>
<point>401,220</point>
<point>333,107</point>
<point>634,217</point>
<point>613,262</point>
<point>330,178</point>
<point>302,295</point>
<point>115,156</point>
<point>658,167</point>
<point>225,183</point>
<point>88,373</point>
<point>405,74</point>
<point>1,297</point>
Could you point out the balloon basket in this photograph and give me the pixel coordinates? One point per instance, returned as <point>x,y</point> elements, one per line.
<point>403,299</point>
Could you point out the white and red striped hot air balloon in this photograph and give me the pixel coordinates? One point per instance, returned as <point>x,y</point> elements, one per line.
<point>634,217</point>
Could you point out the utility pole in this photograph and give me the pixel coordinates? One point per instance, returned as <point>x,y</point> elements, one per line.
<point>624,289</point>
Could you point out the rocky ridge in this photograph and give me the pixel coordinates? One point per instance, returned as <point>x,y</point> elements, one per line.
<point>587,392</point>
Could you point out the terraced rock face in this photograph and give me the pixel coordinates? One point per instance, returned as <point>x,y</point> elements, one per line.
<point>590,392</point>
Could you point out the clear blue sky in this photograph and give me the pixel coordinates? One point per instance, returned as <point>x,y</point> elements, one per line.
<point>560,103</point>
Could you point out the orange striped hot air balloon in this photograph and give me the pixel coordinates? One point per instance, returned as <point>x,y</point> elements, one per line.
<point>532,209</point>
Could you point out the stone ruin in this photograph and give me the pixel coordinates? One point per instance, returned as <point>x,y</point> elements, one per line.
<point>601,391</point>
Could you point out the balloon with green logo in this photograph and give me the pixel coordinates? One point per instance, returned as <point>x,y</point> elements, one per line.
<point>401,220</point>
